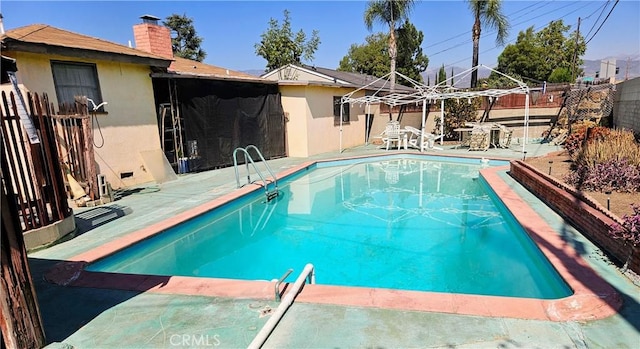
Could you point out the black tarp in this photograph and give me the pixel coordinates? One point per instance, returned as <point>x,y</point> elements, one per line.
<point>221,116</point>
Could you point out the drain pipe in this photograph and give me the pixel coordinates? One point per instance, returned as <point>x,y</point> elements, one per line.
<point>268,327</point>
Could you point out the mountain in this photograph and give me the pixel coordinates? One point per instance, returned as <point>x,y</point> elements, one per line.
<point>626,68</point>
<point>460,82</point>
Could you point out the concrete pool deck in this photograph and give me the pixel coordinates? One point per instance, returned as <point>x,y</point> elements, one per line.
<point>108,318</point>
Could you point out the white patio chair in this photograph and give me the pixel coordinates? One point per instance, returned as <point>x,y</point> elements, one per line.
<point>392,134</point>
<point>420,140</point>
<point>505,136</point>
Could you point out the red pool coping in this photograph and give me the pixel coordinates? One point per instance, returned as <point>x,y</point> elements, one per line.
<point>593,298</point>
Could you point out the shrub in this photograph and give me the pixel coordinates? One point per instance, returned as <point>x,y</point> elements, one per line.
<point>618,175</point>
<point>607,160</point>
<point>573,143</point>
<point>457,112</point>
<point>629,231</point>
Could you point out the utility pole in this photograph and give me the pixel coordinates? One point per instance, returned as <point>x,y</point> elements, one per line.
<point>626,71</point>
<point>575,54</point>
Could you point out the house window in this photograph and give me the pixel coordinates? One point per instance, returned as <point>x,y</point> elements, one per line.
<point>336,111</point>
<point>76,79</point>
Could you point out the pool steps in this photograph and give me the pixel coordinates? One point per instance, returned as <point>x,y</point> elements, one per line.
<point>308,273</point>
<point>249,160</point>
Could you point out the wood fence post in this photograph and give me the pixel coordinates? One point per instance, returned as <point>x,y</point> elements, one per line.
<point>89,157</point>
<point>20,316</point>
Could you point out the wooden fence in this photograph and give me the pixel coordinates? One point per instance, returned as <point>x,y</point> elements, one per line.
<point>31,173</point>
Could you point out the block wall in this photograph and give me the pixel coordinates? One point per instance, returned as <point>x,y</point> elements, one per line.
<point>587,216</point>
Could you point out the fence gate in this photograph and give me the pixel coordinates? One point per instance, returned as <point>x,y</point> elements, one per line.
<point>73,131</point>
<point>31,173</point>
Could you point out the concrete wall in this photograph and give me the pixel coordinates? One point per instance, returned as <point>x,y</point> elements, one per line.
<point>626,105</point>
<point>130,125</point>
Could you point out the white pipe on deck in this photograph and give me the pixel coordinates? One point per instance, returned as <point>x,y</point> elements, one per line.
<point>286,302</point>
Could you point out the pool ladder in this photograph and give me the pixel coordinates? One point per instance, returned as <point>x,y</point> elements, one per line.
<point>249,160</point>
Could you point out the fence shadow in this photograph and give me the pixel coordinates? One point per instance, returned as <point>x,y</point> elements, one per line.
<point>65,309</point>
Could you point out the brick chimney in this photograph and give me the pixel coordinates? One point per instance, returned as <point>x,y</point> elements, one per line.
<point>152,37</point>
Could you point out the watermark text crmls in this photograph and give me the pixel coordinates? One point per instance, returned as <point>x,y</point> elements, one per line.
<point>194,340</point>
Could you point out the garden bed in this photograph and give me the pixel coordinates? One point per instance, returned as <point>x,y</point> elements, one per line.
<point>584,212</point>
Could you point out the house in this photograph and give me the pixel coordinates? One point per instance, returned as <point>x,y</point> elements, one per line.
<point>217,109</point>
<point>311,99</point>
<point>64,64</point>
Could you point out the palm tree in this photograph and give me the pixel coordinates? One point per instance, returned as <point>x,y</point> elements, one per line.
<point>488,12</point>
<point>392,13</point>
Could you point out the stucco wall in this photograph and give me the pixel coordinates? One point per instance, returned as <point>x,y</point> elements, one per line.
<point>316,133</point>
<point>626,105</point>
<point>130,125</point>
<point>296,113</point>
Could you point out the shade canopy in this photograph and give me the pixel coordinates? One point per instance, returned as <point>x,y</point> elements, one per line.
<point>413,92</point>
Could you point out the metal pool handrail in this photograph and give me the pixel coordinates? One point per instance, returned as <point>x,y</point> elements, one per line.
<point>277,285</point>
<point>248,159</point>
<point>307,273</point>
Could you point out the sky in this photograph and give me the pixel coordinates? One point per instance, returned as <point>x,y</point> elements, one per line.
<point>230,29</point>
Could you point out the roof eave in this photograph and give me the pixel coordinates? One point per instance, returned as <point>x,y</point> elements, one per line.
<point>20,46</point>
<point>172,75</point>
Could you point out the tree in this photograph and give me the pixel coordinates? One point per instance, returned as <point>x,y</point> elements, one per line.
<point>185,43</point>
<point>560,74</point>
<point>457,112</point>
<point>410,60</point>
<point>279,46</point>
<point>537,55</point>
<point>372,58</point>
<point>489,13</point>
<point>442,74</point>
<point>390,13</point>
<point>452,76</point>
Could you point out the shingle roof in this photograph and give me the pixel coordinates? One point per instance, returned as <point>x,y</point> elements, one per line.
<point>185,66</point>
<point>47,35</point>
<point>358,79</point>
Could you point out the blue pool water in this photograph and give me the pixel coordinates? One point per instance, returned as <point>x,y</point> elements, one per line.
<point>399,223</point>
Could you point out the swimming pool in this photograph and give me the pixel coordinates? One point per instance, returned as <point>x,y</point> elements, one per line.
<point>405,222</point>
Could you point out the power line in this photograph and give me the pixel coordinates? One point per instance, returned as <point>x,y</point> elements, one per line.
<point>540,5</point>
<point>493,32</point>
<point>601,24</point>
<point>495,47</point>
<point>604,7</point>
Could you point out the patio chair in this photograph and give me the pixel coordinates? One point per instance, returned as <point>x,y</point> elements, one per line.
<point>504,140</point>
<point>392,134</point>
<point>479,140</point>
<point>420,140</point>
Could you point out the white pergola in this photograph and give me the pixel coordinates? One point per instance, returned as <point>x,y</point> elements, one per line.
<point>422,94</point>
